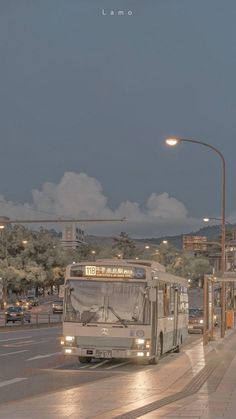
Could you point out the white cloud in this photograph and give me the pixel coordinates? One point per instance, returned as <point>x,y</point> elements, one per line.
<point>165,206</point>
<point>78,195</point>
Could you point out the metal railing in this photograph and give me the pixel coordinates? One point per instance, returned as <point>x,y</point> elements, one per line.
<point>36,320</point>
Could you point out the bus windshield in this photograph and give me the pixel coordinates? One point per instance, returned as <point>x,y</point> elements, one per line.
<point>109,302</point>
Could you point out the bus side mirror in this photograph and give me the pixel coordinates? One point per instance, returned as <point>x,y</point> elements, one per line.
<point>152,295</point>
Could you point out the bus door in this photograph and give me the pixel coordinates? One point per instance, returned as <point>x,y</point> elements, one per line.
<point>175,331</point>
<point>154,312</point>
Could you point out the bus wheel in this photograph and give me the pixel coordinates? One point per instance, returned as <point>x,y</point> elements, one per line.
<point>84,359</point>
<point>156,358</point>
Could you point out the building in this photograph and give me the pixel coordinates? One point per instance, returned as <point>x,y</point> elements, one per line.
<point>72,236</point>
<point>195,243</point>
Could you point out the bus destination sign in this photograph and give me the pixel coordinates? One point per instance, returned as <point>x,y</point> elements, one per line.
<point>96,271</point>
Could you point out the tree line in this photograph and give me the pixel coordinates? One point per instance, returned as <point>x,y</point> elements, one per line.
<point>36,259</point>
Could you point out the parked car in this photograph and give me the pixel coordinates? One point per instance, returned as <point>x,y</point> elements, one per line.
<point>57,307</point>
<point>17,313</point>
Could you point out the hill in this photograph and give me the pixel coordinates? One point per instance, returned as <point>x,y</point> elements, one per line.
<point>211,232</point>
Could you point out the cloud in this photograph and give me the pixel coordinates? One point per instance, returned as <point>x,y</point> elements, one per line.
<point>165,206</point>
<point>78,195</point>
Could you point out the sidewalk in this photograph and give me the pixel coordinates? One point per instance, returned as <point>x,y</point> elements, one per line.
<point>197,383</point>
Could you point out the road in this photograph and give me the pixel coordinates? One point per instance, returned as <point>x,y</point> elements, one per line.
<point>31,364</point>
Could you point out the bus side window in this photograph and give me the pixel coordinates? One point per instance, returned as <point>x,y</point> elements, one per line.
<point>166,300</point>
<point>172,299</point>
<point>160,299</point>
<point>183,300</point>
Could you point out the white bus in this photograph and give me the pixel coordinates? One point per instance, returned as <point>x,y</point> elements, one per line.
<point>123,309</point>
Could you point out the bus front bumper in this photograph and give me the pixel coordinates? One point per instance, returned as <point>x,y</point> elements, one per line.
<point>106,353</point>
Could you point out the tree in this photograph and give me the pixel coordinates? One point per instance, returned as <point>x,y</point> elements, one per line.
<point>124,246</point>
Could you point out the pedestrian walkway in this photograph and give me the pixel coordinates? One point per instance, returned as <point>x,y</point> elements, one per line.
<point>197,383</point>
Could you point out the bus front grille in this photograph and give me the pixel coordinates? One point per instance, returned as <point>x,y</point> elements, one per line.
<point>103,342</point>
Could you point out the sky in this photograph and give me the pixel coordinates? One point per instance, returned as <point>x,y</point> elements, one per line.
<point>87,99</point>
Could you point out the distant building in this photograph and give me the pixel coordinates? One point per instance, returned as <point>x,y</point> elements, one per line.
<point>195,243</point>
<point>72,236</point>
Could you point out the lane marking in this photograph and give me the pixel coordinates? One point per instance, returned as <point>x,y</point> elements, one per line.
<point>27,343</point>
<point>117,365</point>
<point>32,329</point>
<point>15,352</point>
<point>13,381</point>
<point>43,356</point>
<point>85,366</point>
<point>100,364</point>
<point>18,344</point>
<point>7,340</point>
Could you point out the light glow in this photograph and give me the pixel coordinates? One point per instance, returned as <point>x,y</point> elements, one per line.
<point>68,351</point>
<point>69,338</point>
<point>140,341</point>
<point>206,220</point>
<point>172,141</point>
<point>140,354</point>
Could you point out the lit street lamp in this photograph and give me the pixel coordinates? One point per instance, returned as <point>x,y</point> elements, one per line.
<point>207,219</point>
<point>173,142</point>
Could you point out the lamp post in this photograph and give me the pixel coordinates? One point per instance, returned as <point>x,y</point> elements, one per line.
<point>173,142</point>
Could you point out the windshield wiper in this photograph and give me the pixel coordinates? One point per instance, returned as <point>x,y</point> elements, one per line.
<point>117,316</point>
<point>92,316</point>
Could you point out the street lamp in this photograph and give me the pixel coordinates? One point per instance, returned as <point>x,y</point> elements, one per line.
<point>165,241</point>
<point>173,142</point>
<point>207,219</point>
<point>147,247</point>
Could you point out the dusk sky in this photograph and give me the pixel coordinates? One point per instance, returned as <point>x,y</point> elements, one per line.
<point>87,100</point>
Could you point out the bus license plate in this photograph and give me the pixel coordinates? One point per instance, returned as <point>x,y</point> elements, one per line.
<point>103,354</point>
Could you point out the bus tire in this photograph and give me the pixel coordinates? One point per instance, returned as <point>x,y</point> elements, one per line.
<point>159,352</point>
<point>84,359</point>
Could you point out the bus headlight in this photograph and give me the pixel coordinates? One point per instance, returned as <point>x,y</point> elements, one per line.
<point>69,338</point>
<point>140,341</point>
